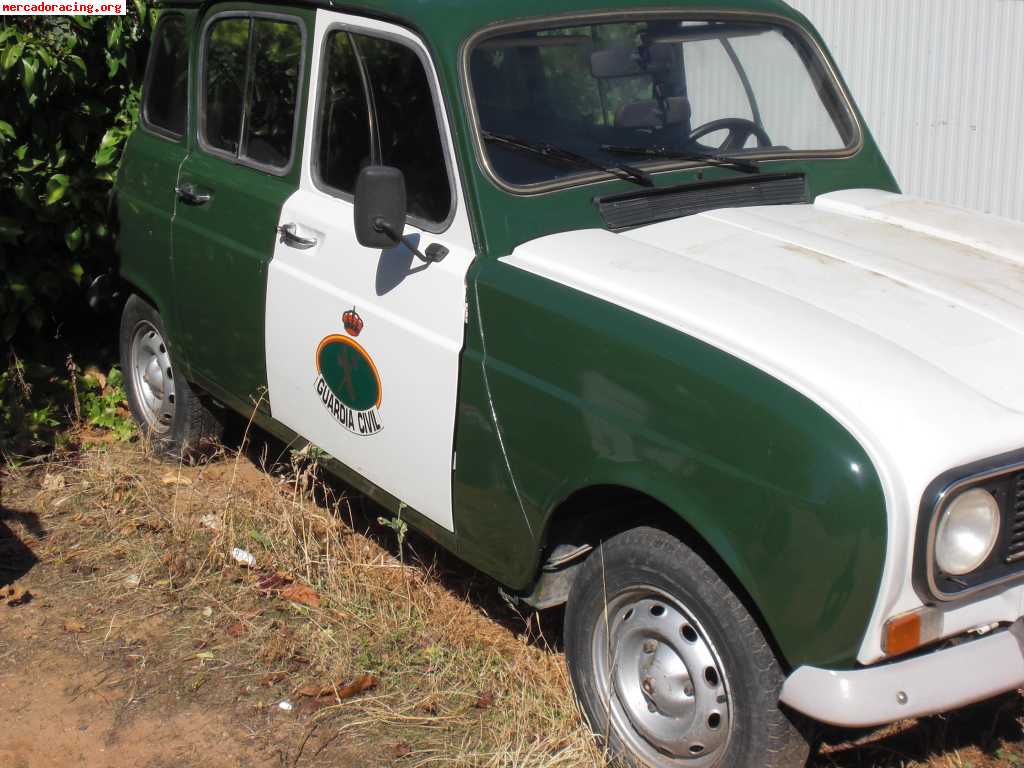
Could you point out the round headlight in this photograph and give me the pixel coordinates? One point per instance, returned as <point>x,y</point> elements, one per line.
<point>967,532</point>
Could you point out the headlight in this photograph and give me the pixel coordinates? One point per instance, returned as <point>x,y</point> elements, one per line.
<point>967,532</point>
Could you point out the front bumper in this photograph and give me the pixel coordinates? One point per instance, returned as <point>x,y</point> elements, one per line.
<point>924,685</point>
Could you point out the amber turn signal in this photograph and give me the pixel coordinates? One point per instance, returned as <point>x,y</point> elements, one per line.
<point>909,631</point>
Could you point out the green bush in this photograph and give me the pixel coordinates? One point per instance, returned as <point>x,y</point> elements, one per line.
<point>69,90</point>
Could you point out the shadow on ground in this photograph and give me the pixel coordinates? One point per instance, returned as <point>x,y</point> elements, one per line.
<point>16,557</point>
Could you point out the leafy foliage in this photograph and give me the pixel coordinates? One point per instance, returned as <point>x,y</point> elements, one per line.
<point>104,404</point>
<point>70,91</point>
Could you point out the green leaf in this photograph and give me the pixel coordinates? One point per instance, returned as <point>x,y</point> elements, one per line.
<point>77,61</point>
<point>73,240</point>
<point>114,33</point>
<point>12,55</point>
<point>56,187</point>
<point>6,129</point>
<point>29,67</point>
<point>77,271</point>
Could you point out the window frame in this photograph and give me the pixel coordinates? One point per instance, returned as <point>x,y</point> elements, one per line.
<point>237,158</point>
<point>443,131</point>
<point>144,120</point>
<point>584,178</point>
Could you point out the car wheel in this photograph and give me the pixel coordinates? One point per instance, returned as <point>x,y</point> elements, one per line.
<point>162,402</point>
<point>669,667</point>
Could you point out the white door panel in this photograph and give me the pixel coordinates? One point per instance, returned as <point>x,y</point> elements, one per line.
<point>404,348</point>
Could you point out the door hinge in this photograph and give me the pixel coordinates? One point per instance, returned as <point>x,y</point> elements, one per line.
<point>454,455</point>
<point>465,313</point>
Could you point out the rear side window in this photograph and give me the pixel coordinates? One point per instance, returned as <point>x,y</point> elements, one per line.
<point>165,107</point>
<point>368,75</point>
<point>251,82</point>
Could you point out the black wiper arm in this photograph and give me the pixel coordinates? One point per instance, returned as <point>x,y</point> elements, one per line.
<point>560,155</point>
<point>747,166</point>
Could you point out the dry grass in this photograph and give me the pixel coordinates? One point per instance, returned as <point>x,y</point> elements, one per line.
<point>461,678</point>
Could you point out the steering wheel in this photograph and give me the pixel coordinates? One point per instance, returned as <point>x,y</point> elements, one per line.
<point>740,130</point>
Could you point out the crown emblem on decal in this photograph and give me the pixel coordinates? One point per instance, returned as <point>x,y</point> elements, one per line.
<point>353,322</point>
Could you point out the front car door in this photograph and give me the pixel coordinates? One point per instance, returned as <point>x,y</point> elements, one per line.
<point>242,167</point>
<point>363,345</point>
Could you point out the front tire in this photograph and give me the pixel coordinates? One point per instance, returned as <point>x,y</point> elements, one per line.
<point>161,401</point>
<point>669,667</point>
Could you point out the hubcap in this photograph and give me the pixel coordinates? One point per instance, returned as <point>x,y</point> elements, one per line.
<point>152,377</point>
<point>662,680</point>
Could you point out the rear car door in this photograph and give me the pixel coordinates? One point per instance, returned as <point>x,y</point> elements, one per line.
<point>149,166</point>
<point>363,345</point>
<point>243,166</point>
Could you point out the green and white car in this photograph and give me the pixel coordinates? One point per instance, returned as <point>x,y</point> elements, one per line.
<point>620,303</point>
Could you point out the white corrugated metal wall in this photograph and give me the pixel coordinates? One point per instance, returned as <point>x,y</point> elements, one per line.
<point>941,83</point>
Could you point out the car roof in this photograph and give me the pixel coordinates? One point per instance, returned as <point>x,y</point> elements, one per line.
<point>450,20</point>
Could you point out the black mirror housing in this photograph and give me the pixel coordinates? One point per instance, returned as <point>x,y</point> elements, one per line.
<point>380,206</point>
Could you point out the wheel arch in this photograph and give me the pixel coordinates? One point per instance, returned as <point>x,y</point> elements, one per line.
<point>591,514</point>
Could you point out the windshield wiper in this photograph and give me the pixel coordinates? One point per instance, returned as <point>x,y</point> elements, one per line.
<point>560,155</point>
<point>664,153</point>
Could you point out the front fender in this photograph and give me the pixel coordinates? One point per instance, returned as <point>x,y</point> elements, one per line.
<point>585,393</point>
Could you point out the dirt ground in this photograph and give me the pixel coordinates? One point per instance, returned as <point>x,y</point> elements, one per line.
<point>129,636</point>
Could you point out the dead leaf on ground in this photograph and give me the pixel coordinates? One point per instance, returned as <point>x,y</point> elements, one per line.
<point>236,630</point>
<point>301,593</point>
<point>485,700</point>
<point>309,706</point>
<point>273,678</point>
<point>15,595</point>
<point>53,481</point>
<point>274,580</point>
<point>74,626</point>
<point>341,691</point>
<point>173,478</point>
<point>401,749</point>
<point>92,372</point>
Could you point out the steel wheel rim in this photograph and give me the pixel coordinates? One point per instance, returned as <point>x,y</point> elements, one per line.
<point>152,377</point>
<point>661,680</point>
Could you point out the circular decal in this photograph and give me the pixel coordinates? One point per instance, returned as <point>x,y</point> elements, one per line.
<point>349,373</point>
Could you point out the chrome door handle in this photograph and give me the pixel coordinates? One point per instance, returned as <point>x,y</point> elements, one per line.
<point>192,194</point>
<point>290,238</point>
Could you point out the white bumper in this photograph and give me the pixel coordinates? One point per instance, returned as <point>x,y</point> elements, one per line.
<point>925,685</point>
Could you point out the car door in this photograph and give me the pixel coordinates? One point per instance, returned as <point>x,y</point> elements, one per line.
<point>243,166</point>
<point>149,166</point>
<point>363,345</point>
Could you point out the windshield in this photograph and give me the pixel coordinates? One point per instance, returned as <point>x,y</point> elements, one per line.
<point>651,91</point>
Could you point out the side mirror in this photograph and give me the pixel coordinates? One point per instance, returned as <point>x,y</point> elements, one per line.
<point>380,206</point>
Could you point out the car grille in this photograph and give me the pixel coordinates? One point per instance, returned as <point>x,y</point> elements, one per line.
<point>1015,537</point>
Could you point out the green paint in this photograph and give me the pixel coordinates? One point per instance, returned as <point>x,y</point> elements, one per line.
<point>349,373</point>
<point>588,394</point>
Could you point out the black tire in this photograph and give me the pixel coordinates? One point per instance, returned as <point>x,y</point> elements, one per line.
<point>164,406</point>
<point>681,611</point>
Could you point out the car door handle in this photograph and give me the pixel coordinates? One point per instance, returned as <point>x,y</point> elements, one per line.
<point>294,240</point>
<point>192,194</point>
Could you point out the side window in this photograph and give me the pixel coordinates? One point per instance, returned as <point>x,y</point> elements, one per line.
<point>403,132</point>
<point>251,81</point>
<point>344,117</point>
<point>273,93</point>
<point>409,136</point>
<point>165,107</point>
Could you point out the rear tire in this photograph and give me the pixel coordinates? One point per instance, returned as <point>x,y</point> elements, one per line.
<point>668,665</point>
<point>163,404</point>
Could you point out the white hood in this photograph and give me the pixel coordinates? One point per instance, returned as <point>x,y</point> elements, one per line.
<point>902,318</point>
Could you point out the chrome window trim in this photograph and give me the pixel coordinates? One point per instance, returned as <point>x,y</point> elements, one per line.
<point>590,177</point>
<point>933,505</point>
<point>353,28</point>
<point>144,120</point>
<point>237,158</point>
